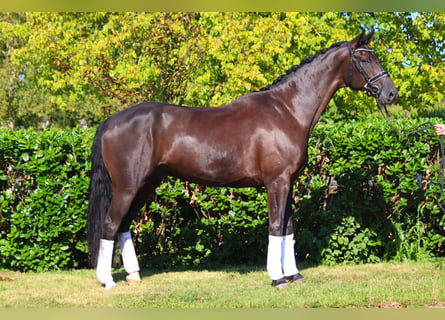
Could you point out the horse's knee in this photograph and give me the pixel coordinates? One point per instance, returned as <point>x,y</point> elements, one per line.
<point>110,229</point>
<point>118,210</point>
<point>276,229</point>
<point>283,227</point>
<point>289,229</point>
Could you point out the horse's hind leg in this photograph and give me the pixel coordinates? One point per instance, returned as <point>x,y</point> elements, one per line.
<point>119,207</point>
<point>129,257</point>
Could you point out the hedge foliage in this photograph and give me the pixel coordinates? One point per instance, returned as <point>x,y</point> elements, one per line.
<point>367,195</point>
<point>43,191</point>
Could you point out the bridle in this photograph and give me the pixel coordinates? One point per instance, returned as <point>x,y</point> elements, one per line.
<point>372,90</point>
<point>369,88</point>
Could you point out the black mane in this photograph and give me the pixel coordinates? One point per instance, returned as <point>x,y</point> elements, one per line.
<point>303,62</point>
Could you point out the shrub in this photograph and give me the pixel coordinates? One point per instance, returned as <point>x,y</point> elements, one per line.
<point>368,194</point>
<point>44,183</point>
<point>368,185</point>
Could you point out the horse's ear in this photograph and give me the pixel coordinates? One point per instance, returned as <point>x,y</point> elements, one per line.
<point>368,38</point>
<point>362,40</point>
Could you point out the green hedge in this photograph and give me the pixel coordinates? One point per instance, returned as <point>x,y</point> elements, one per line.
<point>43,191</point>
<point>370,194</point>
<point>367,195</point>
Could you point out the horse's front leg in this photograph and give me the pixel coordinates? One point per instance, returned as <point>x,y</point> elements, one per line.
<point>281,263</point>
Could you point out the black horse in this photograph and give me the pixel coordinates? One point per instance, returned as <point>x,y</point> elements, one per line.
<point>258,139</point>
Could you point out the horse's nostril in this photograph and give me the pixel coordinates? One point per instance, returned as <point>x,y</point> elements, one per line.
<point>393,95</point>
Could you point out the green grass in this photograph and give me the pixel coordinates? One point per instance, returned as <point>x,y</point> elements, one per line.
<point>384,285</point>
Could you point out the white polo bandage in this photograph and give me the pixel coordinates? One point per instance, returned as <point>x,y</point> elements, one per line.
<point>281,257</point>
<point>288,256</point>
<point>129,258</point>
<point>104,259</point>
<point>274,258</point>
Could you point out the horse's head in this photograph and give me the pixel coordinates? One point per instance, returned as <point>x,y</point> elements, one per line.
<point>366,73</point>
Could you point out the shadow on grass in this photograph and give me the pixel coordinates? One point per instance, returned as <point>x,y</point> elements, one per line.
<point>120,274</point>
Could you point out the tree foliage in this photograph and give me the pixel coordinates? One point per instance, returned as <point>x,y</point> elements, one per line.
<point>69,67</point>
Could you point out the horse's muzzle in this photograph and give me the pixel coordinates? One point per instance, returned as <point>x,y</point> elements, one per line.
<point>388,93</point>
<point>388,96</point>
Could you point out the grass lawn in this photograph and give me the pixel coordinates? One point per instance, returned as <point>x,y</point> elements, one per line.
<point>384,285</point>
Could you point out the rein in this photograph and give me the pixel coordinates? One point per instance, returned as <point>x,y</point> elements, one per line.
<point>422,127</point>
<point>440,176</point>
<point>372,90</point>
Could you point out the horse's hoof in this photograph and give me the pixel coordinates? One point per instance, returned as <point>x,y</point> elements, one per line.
<point>110,285</point>
<point>296,278</point>
<point>133,278</point>
<point>280,283</point>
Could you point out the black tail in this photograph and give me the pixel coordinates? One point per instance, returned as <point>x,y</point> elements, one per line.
<point>101,192</point>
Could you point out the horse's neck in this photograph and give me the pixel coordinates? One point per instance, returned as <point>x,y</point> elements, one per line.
<point>310,89</point>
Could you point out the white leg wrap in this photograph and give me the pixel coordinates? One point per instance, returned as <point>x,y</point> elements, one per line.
<point>103,270</point>
<point>274,257</point>
<point>129,258</point>
<point>288,256</point>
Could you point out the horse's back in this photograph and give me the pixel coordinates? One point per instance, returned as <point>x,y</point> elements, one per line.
<point>235,144</point>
